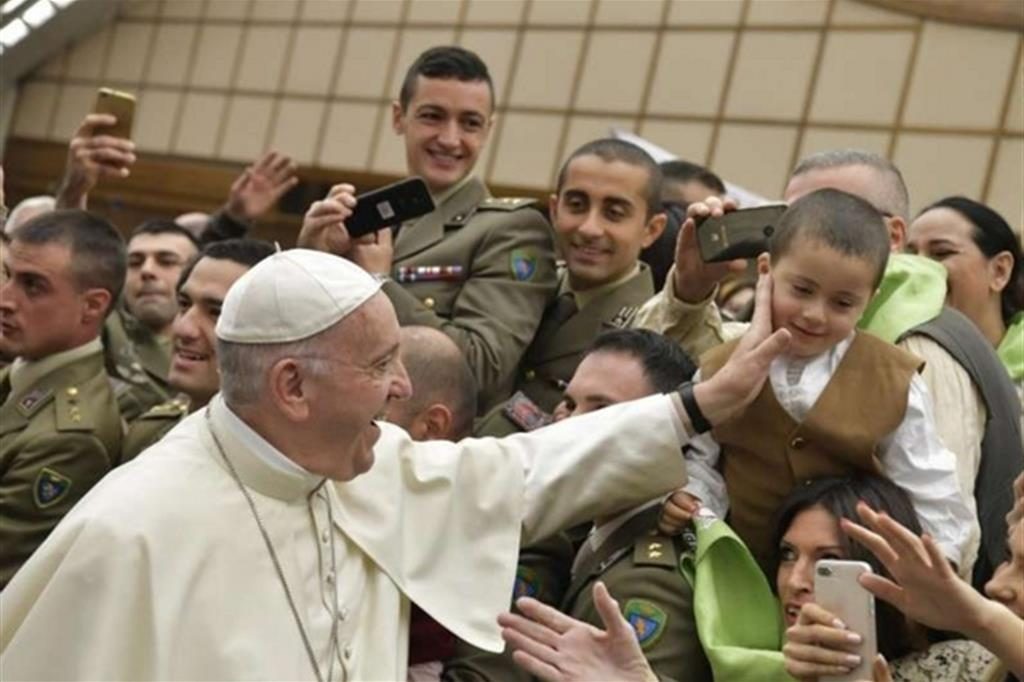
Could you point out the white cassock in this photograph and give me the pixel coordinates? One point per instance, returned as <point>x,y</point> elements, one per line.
<point>162,572</point>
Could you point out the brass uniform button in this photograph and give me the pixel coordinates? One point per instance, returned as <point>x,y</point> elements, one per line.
<point>797,443</point>
<point>429,302</point>
<point>72,392</point>
<point>530,375</point>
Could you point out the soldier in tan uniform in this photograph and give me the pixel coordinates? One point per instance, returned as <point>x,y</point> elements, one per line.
<point>639,566</point>
<point>605,210</point>
<point>60,430</point>
<point>479,269</point>
<point>193,373</point>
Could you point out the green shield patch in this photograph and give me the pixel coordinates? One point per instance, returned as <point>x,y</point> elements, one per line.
<point>50,487</point>
<point>648,621</point>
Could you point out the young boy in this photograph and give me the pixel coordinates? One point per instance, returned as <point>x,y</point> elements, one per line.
<point>838,401</point>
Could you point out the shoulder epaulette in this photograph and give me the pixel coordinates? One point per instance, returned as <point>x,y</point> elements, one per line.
<point>655,550</point>
<point>72,412</point>
<point>506,203</point>
<point>172,409</point>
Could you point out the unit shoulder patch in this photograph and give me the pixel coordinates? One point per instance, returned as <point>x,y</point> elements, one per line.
<point>505,203</point>
<point>647,620</point>
<point>523,264</point>
<point>50,487</point>
<point>528,583</point>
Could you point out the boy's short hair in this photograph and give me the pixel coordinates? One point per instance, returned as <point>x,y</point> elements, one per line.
<point>445,62</point>
<point>841,221</point>
<point>610,149</point>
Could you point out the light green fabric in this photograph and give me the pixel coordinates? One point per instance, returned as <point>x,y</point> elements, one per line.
<point>738,617</point>
<point>1011,348</point>
<point>913,291</point>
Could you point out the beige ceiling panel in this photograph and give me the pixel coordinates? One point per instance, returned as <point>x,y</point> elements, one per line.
<point>389,11</point>
<point>128,51</point>
<point>246,131</point>
<point>74,103</point>
<point>274,10</point>
<point>529,143</point>
<point>139,9</point>
<point>629,12</point>
<point>348,136</point>
<point>216,55</point>
<point>861,77</point>
<point>787,12</point>
<point>1015,114</point>
<point>547,66</point>
<point>936,166</point>
<point>823,139</point>
<point>690,73</point>
<point>615,71</point>
<point>325,10</point>
<point>583,129</point>
<point>154,120</point>
<point>34,107</point>
<point>314,52</point>
<point>171,51</point>
<point>262,58</point>
<point>182,9</point>
<point>297,127</point>
<point>434,11</point>
<point>560,12</point>
<point>858,13</point>
<point>684,139</point>
<point>704,12</point>
<point>200,120</point>
<point>56,66</point>
<point>772,74</point>
<point>364,69</point>
<point>85,59</point>
<point>227,9</point>
<point>413,42</point>
<point>506,12</point>
<point>1004,195</point>
<point>949,89</point>
<point>495,47</point>
<point>389,156</point>
<point>755,157</point>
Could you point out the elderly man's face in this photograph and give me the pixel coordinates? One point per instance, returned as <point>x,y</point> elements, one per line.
<point>361,379</point>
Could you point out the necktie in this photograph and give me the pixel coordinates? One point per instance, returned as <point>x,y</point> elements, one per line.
<point>557,314</point>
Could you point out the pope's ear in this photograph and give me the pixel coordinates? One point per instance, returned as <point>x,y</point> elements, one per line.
<point>287,382</point>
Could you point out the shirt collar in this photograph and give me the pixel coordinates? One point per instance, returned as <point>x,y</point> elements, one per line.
<point>25,373</point>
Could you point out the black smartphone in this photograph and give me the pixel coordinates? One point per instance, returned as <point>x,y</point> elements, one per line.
<point>388,206</point>
<point>739,234</point>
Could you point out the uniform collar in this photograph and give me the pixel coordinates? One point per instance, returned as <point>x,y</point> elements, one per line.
<point>586,296</point>
<point>259,464</point>
<point>25,373</point>
<point>441,198</point>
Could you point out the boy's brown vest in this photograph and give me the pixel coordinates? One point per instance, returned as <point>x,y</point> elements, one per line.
<point>766,453</point>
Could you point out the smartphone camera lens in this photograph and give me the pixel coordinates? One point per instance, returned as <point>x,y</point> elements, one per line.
<point>769,231</point>
<point>824,571</point>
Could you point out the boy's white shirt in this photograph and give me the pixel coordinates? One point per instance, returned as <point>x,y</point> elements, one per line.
<point>912,456</point>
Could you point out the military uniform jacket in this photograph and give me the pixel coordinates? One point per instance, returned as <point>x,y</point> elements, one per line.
<point>137,364</point>
<point>548,366</point>
<point>640,568</point>
<point>152,426</point>
<point>481,270</point>
<point>58,437</point>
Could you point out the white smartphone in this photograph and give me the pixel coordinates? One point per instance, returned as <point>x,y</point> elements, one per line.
<point>837,590</point>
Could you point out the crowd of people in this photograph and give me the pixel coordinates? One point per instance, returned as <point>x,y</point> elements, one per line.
<point>342,461</point>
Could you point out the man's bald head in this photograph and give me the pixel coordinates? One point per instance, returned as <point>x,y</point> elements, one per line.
<point>870,176</point>
<point>443,402</point>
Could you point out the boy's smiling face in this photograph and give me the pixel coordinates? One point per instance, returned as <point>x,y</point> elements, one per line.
<point>818,294</point>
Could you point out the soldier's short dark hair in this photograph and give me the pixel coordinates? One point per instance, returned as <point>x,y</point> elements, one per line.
<point>247,252</point>
<point>665,364</point>
<point>683,171</point>
<point>445,62</point>
<point>97,249</point>
<point>610,149</point>
<point>841,221</point>
<point>163,226</point>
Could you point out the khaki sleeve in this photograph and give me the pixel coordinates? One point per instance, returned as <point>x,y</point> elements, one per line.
<point>46,478</point>
<point>696,327</point>
<point>495,314</point>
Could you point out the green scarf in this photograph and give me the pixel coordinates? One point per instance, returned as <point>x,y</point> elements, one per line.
<point>913,291</point>
<point>1011,348</point>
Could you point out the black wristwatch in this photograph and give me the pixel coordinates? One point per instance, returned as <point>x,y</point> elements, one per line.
<point>697,419</point>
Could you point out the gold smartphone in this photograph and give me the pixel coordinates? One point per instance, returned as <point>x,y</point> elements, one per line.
<point>119,104</point>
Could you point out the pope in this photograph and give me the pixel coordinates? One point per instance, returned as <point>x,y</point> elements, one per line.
<point>282,532</point>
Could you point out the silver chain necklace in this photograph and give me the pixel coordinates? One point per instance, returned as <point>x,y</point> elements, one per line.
<point>270,549</point>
